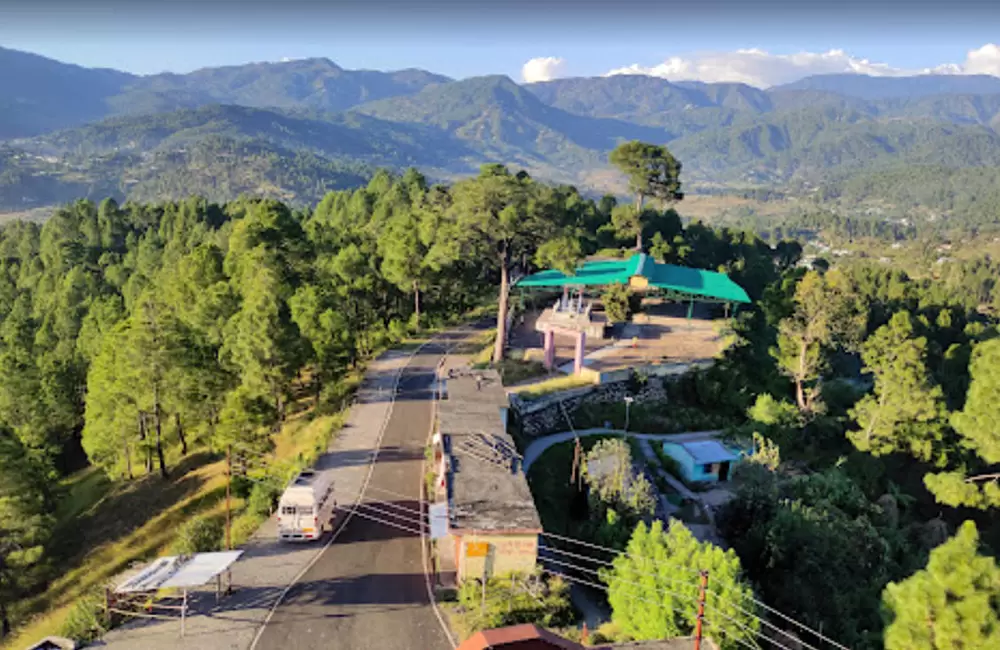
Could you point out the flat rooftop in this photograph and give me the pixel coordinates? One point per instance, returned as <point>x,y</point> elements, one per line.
<point>709,451</point>
<point>488,490</point>
<point>471,386</point>
<point>457,418</point>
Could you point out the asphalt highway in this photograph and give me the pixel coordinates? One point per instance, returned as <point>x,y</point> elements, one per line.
<point>367,591</point>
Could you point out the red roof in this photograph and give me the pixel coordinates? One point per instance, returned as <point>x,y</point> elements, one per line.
<point>518,637</point>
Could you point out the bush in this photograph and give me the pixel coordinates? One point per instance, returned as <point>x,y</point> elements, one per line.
<point>199,535</point>
<point>244,526</point>
<point>514,600</point>
<point>263,496</point>
<point>86,621</point>
<point>241,486</point>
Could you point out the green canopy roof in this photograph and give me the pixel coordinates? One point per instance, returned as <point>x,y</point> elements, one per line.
<point>693,283</point>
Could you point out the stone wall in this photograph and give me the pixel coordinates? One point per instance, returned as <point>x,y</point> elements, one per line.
<point>544,415</point>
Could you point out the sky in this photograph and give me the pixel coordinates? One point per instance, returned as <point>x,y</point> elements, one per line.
<point>760,43</point>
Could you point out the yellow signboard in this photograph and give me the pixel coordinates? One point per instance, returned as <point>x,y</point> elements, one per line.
<point>639,282</point>
<point>477,549</point>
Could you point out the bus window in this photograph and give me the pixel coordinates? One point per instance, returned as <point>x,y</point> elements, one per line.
<point>288,510</point>
<point>305,510</point>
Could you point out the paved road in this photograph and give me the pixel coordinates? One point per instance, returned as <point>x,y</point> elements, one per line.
<point>368,589</point>
<point>539,445</point>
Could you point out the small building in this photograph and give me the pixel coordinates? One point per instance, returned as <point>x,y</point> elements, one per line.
<point>532,637</point>
<point>702,461</point>
<point>492,522</point>
<point>518,637</point>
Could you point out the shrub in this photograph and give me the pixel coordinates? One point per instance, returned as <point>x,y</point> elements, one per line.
<point>513,600</point>
<point>199,535</point>
<point>86,621</point>
<point>244,526</point>
<point>263,496</point>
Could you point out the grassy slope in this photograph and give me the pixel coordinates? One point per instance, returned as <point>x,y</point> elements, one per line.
<point>111,526</point>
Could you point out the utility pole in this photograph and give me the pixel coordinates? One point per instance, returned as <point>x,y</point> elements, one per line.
<point>576,474</point>
<point>229,483</point>
<point>703,588</point>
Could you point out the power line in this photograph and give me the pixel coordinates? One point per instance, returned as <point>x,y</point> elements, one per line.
<point>603,587</point>
<point>754,632</point>
<point>757,601</point>
<point>415,517</point>
<point>633,584</point>
<point>604,562</point>
<point>387,523</point>
<point>726,633</point>
<point>765,622</point>
<point>396,506</point>
<point>420,524</point>
<point>664,590</point>
<point>802,626</point>
<point>408,497</point>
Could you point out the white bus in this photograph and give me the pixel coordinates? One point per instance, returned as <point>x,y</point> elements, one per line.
<point>306,509</point>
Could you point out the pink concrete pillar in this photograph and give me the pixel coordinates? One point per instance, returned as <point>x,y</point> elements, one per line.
<point>550,349</point>
<point>581,343</point>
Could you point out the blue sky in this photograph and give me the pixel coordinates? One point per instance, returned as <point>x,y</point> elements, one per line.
<point>462,40</point>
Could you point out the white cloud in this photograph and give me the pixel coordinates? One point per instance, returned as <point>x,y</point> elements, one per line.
<point>760,68</point>
<point>985,60</point>
<point>543,68</point>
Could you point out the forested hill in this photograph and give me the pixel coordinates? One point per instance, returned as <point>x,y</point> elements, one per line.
<point>73,131</point>
<point>42,95</point>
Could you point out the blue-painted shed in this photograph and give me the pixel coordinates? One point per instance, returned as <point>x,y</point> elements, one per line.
<point>702,460</point>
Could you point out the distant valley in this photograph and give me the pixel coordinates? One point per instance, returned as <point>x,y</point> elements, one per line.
<point>298,129</point>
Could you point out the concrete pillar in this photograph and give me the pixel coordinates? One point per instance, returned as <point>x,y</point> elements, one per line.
<point>550,349</point>
<point>581,344</point>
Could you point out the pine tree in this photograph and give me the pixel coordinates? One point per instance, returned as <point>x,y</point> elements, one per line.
<point>906,412</point>
<point>652,171</point>
<point>24,526</point>
<point>653,588</point>
<point>978,423</point>
<point>952,604</point>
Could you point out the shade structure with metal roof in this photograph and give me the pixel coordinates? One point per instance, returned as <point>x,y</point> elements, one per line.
<point>642,272</point>
<point>182,572</point>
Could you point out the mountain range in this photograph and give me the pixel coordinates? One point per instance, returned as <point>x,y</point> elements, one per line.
<point>297,129</point>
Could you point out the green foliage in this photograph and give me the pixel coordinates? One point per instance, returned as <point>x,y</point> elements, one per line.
<point>653,172</point>
<point>617,303</point>
<point>976,423</point>
<point>773,413</point>
<point>799,537</point>
<point>906,411</point>
<point>514,599</point>
<point>199,535</point>
<point>614,481</point>
<point>950,604</point>
<point>86,621</point>
<point>25,525</point>
<point>653,588</point>
<point>264,496</point>
<point>823,317</point>
<point>561,253</point>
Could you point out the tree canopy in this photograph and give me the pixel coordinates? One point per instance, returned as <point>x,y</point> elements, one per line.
<point>653,587</point>
<point>950,604</point>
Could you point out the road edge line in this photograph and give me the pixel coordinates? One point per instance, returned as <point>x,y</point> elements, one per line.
<point>354,506</point>
<point>423,506</point>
